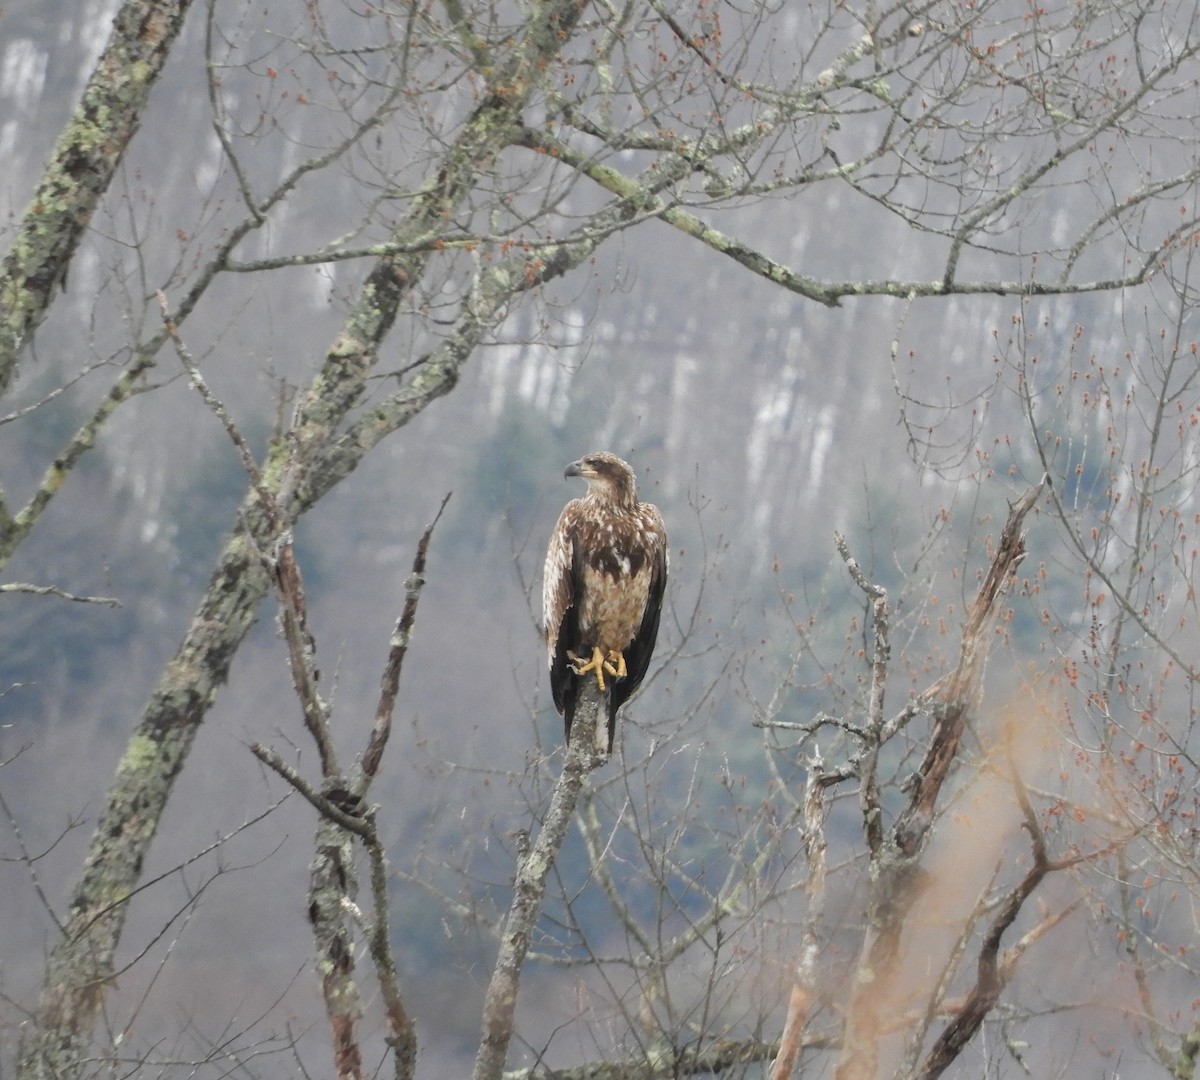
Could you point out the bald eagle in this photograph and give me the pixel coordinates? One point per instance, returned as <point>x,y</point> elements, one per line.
<point>602,591</point>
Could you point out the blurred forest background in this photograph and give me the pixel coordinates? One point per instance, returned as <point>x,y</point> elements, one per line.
<point>905,412</point>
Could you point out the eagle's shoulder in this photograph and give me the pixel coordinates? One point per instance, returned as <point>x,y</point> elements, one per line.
<point>650,523</point>
<point>652,531</point>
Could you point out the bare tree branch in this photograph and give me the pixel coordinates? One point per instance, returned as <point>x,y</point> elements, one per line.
<point>805,988</point>
<point>869,801</point>
<point>959,691</point>
<point>991,971</point>
<point>895,876</point>
<point>343,816</point>
<point>529,886</point>
<point>723,1056</point>
<point>401,636</point>
<point>51,590</point>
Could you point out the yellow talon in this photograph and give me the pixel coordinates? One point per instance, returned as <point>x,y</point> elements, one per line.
<point>614,664</point>
<point>596,663</point>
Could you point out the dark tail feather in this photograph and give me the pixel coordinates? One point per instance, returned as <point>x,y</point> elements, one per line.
<point>612,720</point>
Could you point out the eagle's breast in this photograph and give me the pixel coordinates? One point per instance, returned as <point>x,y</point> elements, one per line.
<point>617,572</point>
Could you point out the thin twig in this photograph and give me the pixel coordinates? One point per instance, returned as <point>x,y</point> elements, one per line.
<point>279,560</point>
<point>51,590</point>
<point>218,409</point>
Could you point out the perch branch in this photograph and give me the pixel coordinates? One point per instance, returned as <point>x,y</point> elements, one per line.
<point>529,887</point>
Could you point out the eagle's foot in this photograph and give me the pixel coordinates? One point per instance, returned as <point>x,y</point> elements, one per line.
<point>613,664</point>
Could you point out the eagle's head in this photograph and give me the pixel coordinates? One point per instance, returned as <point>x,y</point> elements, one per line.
<point>607,476</point>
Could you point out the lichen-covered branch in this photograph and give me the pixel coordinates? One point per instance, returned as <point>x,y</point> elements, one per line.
<point>529,889</point>
<point>869,801</point>
<point>804,989</point>
<point>717,1059</point>
<point>332,893</point>
<point>15,528</point>
<point>62,594</point>
<point>344,817</point>
<point>82,167</point>
<point>81,963</point>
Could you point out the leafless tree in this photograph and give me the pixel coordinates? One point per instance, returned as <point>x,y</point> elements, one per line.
<point>446,165</point>
<point>1118,433</point>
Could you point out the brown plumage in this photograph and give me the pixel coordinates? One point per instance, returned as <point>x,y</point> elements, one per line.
<point>606,571</point>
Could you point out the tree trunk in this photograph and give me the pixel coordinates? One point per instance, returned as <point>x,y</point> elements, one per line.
<point>79,173</point>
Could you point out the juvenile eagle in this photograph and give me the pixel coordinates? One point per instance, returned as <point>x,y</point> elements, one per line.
<point>603,589</point>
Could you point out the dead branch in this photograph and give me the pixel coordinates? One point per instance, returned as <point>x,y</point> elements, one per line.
<point>401,636</point>
<point>804,989</point>
<point>215,405</point>
<point>958,692</point>
<point>323,804</point>
<point>402,1032</point>
<point>991,974</point>
<point>895,873</point>
<point>716,1060</point>
<point>868,792</point>
<point>279,561</point>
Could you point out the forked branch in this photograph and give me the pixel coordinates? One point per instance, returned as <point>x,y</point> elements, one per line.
<point>344,817</point>
<point>895,873</point>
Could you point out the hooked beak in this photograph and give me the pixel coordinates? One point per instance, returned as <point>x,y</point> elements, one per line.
<point>574,469</point>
